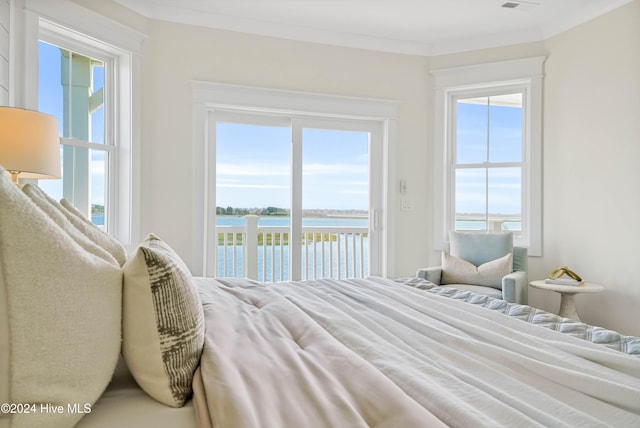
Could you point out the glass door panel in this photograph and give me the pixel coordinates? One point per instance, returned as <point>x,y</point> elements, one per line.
<point>293,197</point>
<point>253,183</point>
<point>335,203</point>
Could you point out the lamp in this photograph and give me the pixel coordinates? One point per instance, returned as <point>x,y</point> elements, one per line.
<point>29,144</point>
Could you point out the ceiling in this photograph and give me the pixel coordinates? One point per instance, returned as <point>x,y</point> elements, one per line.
<point>418,27</point>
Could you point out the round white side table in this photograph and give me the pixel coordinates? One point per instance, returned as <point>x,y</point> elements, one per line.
<point>567,293</point>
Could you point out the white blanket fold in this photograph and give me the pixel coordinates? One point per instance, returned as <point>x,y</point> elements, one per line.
<point>353,353</point>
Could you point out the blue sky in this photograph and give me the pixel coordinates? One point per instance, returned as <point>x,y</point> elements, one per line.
<point>253,167</point>
<point>253,162</point>
<point>505,145</point>
<point>50,100</point>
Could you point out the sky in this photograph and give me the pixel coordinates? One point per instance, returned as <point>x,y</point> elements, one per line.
<point>505,145</point>
<point>254,161</point>
<point>254,164</point>
<point>50,100</point>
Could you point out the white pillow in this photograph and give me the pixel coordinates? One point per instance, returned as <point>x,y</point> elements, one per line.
<point>48,205</point>
<point>163,322</point>
<point>91,231</point>
<point>458,271</point>
<point>60,314</point>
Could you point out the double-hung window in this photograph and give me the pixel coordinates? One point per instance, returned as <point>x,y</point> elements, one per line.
<point>82,68</point>
<point>488,147</point>
<point>486,166</point>
<point>71,86</point>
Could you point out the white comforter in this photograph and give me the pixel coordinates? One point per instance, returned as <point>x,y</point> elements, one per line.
<point>377,353</point>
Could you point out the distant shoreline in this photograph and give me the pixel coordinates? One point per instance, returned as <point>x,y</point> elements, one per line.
<point>315,215</point>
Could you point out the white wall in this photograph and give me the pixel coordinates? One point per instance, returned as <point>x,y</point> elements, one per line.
<point>175,54</point>
<point>4,52</point>
<point>591,166</point>
<point>591,147</point>
<point>591,133</point>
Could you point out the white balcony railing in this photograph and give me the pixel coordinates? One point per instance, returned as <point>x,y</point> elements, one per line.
<point>262,252</point>
<point>494,223</point>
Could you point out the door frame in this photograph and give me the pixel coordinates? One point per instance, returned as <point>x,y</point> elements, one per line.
<point>375,206</point>
<point>210,97</point>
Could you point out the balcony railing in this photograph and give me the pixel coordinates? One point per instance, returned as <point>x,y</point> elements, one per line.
<point>495,223</point>
<point>262,252</point>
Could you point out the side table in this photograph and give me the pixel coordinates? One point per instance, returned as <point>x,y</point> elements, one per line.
<point>567,293</point>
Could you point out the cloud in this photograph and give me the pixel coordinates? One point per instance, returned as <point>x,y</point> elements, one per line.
<point>97,168</point>
<point>252,169</point>
<point>331,169</point>
<point>283,170</point>
<point>251,186</point>
<point>354,192</point>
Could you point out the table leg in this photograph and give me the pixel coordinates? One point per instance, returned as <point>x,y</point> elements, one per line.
<point>568,306</point>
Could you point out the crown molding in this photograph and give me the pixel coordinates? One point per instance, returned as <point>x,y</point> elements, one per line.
<point>183,15</point>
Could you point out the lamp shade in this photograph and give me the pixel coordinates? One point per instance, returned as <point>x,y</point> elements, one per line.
<point>29,143</point>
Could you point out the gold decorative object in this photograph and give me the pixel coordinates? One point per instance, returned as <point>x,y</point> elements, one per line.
<point>563,270</point>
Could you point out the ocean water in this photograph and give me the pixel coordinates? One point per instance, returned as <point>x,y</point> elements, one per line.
<point>322,221</point>
<point>480,225</point>
<point>343,221</point>
<point>285,221</point>
<point>97,219</point>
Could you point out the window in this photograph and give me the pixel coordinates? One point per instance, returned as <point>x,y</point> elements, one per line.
<point>71,87</point>
<point>488,130</point>
<point>310,123</point>
<point>82,68</point>
<point>293,171</point>
<point>487,165</point>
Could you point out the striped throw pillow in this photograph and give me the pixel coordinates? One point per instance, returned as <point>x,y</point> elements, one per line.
<point>162,322</point>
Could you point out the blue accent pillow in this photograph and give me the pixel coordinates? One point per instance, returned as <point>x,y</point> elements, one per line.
<point>480,248</point>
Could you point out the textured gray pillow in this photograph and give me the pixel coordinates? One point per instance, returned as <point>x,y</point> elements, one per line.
<point>163,323</point>
<point>60,314</point>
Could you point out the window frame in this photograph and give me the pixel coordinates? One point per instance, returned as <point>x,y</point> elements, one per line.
<point>297,123</point>
<point>51,34</point>
<point>453,166</point>
<point>211,97</point>
<point>74,27</point>
<point>489,79</point>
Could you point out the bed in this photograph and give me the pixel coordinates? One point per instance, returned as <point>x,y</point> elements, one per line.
<point>94,337</point>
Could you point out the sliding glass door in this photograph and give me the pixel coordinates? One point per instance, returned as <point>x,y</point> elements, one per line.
<point>294,196</point>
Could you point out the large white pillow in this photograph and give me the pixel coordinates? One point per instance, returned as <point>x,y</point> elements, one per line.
<point>49,206</point>
<point>163,322</point>
<point>91,231</point>
<point>60,315</point>
<point>458,271</point>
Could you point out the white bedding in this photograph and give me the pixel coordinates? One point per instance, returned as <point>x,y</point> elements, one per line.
<point>125,405</point>
<point>378,353</point>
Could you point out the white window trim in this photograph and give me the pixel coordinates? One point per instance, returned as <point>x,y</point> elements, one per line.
<point>209,97</point>
<point>528,73</point>
<point>65,19</point>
